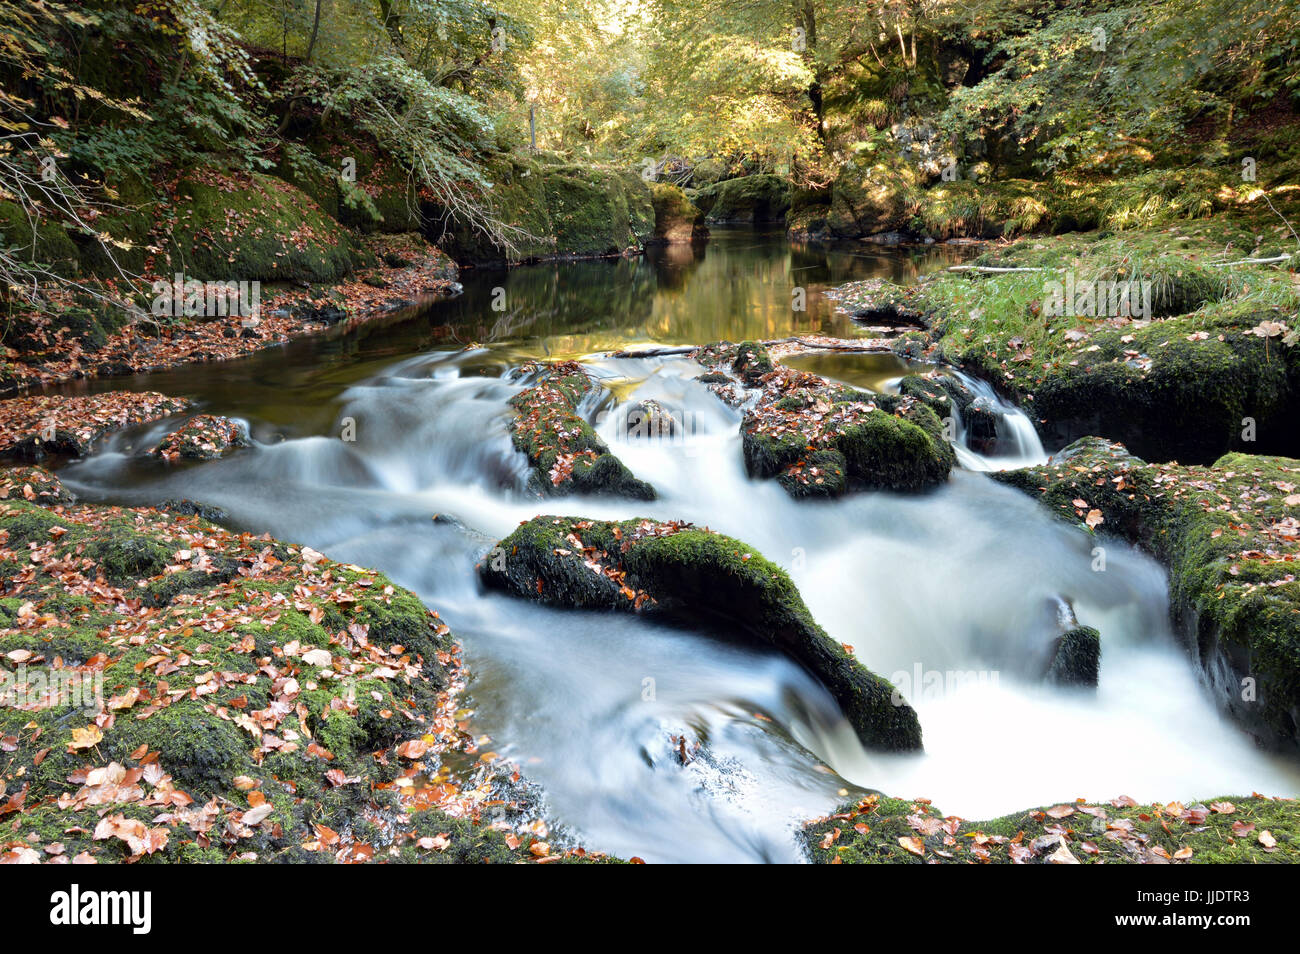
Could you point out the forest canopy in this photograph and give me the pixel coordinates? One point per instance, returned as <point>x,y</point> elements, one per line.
<point>99,90</point>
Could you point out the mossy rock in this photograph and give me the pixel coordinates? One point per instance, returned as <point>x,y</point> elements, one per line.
<point>930,392</point>
<point>1222,533</point>
<point>878,829</point>
<point>126,557</point>
<point>254,227</point>
<point>129,219</point>
<point>676,218</point>
<point>1189,400</point>
<point>565,452</point>
<point>821,439</point>
<point>872,193</point>
<point>42,242</point>
<point>197,724</point>
<point>698,578</point>
<point>555,210</point>
<point>748,200</point>
<point>751,362</point>
<point>1077,660</point>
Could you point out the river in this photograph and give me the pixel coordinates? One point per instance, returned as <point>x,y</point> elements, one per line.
<point>953,593</point>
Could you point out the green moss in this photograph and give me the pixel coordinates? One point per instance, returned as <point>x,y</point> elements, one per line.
<point>566,453</point>
<point>1232,591</point>
<point>676,218</point>
<point>558,210</point>
<point>892,453</point>
<point>40,242</point>
<point>254,227</point>
<point>1182,382</point>
<point>701,579</point>
<point>199,749</point>
<point>1227,830</point>
<point>1077,659</point>
<point>126,557</point>
<point>750,200</point>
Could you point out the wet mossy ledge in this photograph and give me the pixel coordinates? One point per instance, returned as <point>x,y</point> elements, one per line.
<point>759,199</point>
<point>699,578</point>
<point>175,692</point>
<point>1229,830</point>
<point>1201,361</point>
<point>820,439</point>
<point>564,451</point>
<point>1229,536</point>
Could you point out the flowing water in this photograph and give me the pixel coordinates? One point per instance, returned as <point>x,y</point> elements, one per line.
<point>955,594</point>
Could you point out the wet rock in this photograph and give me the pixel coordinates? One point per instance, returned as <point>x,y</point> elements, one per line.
<point>677,219</point>
<point>823,473</point>
<point>748,200</point>
<point>190,508</point>
<point>203,437</point>
<point>930,391</point>
<point>34,428</point>
<point>700,578</point>
<point>821,439</point>
<point>1077,659</point>
<point>1229,536</point>
<point>566,453</point>
<point>981,418</point>
<point>751,362</point>
<point>649,420</point>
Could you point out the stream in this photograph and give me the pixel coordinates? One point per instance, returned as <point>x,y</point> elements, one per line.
<point>954,594</point>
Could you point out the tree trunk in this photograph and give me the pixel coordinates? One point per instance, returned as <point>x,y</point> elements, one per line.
<point>807,18</point>
<point>315,31</point>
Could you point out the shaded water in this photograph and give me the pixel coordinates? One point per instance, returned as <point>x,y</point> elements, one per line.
<point>967,579</point>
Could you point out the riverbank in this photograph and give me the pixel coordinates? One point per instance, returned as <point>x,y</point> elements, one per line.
<point>70,343</point>
<point>777,349</point>
<point>1229,830</point>
<point>1201,360</point>
<point>179,692</point>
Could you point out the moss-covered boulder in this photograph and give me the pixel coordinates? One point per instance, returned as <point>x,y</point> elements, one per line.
<point>555,210</point>
<point>873,192</point>
<point>700,578</point>
<point>35,484</point>
<point>1077,659</point>
<point>565,452</point>
<point>1197,361</point>
<point>203,437</point>
<point>747,200</point>
<point>128,217</point>
<point>253,227</point>
<point>1229,535</point>
<point>677,219</point>
<point>38,242</point>
<point>178,693</point>
<point>80,323</point>
<point>878,829</point>
<point>1177,390</point>
<point>820,439</point>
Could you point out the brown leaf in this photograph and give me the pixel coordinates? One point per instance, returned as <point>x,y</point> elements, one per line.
<point>913,845</point>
